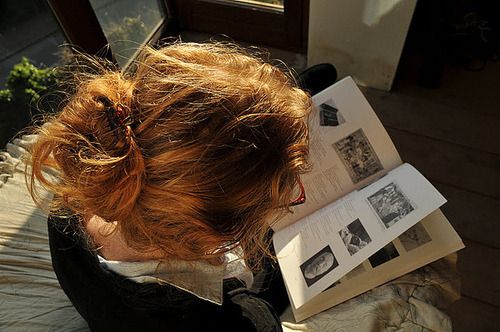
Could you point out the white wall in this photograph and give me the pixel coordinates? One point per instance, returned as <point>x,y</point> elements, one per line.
<point>362,38</point>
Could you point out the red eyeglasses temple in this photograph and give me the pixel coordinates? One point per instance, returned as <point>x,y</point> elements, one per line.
<point>302,197</point>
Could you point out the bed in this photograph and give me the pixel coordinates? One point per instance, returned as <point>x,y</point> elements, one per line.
<point>31,299</point>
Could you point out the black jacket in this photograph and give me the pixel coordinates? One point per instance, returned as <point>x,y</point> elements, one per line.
<point>109,302</point>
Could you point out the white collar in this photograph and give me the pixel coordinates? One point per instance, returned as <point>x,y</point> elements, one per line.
<point>198,278</point>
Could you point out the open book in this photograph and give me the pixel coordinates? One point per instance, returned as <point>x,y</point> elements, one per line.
<point>368,217</point>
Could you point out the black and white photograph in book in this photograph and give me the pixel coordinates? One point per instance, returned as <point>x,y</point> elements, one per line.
<point>318,265</point>
<point>383,255</point>
<point>390,204</point>
<point>354,236</point>
<point>358,156</point>
<point>414,237</point>
<point>329,114</point>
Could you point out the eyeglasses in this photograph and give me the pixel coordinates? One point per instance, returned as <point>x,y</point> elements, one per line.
<point>301,199</point>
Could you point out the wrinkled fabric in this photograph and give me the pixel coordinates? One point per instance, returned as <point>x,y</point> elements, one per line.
<point>413,302</point>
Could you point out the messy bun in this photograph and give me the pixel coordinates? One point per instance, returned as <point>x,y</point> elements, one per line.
<point>193,154</point>
<point>101,166</point>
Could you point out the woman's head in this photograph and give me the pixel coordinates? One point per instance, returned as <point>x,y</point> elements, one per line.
<point>208,155</point>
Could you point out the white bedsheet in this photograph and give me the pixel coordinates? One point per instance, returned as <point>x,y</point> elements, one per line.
<point>31,299</point>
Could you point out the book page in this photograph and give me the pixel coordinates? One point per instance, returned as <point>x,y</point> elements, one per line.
<point>318,250</point>
<point>349,148</point>
<point>425,242</point>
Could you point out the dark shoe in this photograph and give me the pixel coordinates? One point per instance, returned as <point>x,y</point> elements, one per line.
<point>317,78</point>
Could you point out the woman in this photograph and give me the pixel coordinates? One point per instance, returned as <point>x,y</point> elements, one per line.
<point>168,180</point>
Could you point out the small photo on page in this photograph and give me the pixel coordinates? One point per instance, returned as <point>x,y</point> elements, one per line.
<point>358,156</point>
<point>414,237</point>
<point>318,265</point>
<point>329,114</point>
<point>354,236</point>
<point>383,255</point>
<point>390,204</point>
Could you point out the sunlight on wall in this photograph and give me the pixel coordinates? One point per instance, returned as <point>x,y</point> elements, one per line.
<point>375,10</point>
<point>363,39</point>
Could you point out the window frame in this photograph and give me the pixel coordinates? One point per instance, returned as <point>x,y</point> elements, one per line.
<point>84,31</point>
<point>285,29</point>
<point>262,25</point>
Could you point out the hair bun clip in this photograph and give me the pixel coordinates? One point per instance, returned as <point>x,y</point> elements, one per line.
<point>118,118</point>
<point>120,115</point>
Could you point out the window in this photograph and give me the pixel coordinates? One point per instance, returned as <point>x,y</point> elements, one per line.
<point>127,24</point>
<point>280,24</point>
<point>27,28</point>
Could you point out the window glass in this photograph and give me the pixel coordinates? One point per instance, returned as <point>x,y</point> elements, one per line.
<point>127,24</point>
<point>27,28</point>
<point>272,4</point>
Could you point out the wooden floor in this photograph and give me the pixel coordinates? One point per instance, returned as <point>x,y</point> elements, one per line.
<point>452,135</point>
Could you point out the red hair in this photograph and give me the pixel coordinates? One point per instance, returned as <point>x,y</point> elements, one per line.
<point>210,160</point>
